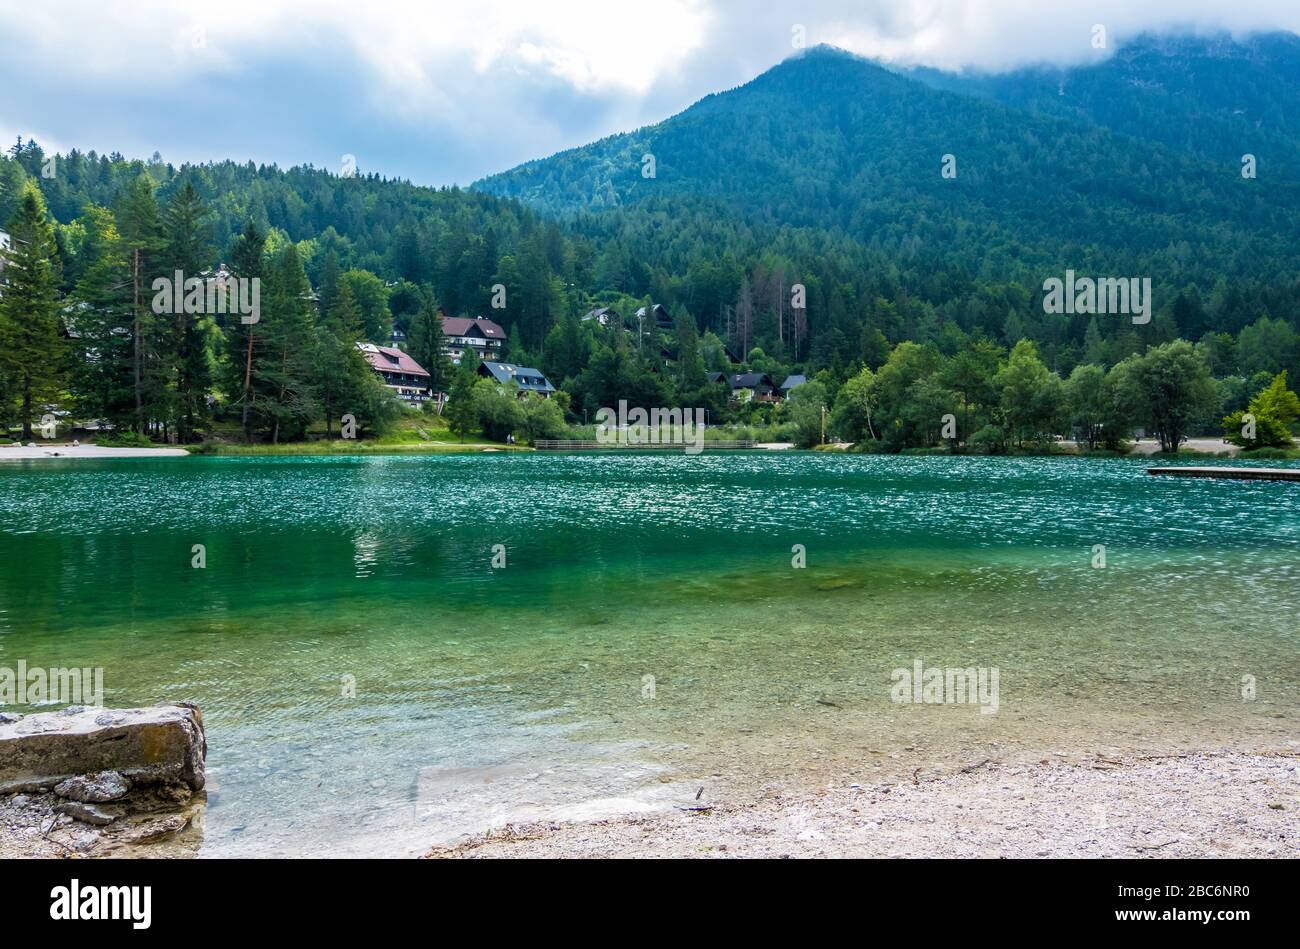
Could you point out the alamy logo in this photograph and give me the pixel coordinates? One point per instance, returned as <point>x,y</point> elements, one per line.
<point>58,686</point>
<point>1123,295</point>
<point>210,296</point>
<point>629,428</point>
<point>952,686</point>
<point>103,902</point>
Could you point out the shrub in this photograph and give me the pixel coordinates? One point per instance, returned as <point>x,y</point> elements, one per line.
<point>1273,410</point>
<point>124,439</point>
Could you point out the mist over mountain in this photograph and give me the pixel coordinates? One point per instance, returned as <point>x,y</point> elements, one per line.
<point>1214,97</point>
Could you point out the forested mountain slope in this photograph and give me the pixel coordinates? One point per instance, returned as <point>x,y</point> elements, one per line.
<point>1210,96</point>
<point>830,141</point>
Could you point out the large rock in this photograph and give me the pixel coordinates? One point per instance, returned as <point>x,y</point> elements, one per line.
<point>94,788</point>
<point>86,813</point>
<point>148,746</point>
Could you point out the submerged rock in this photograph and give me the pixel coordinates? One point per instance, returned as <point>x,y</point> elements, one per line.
<point>160,745</point>
<point>157,830</point>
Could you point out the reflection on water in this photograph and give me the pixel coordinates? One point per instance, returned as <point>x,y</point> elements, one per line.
<point>372,685</point>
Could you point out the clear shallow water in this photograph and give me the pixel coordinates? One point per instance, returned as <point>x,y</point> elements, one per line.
<point>487,695</point>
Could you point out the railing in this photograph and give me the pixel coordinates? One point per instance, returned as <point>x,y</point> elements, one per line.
<point>588,444</point>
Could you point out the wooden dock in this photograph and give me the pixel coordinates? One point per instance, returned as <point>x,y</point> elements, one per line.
<point>1240,474</point>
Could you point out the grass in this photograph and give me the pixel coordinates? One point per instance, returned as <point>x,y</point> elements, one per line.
<point>340,446</point>
<point>413,434</point>
<point>1271,454</point>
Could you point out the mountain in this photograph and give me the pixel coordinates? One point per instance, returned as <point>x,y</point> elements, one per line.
<point>1211,96</point>
<point>833,143</point>
<point>824,171</point>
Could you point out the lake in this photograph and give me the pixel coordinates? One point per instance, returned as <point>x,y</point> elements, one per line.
<point>390,651</point>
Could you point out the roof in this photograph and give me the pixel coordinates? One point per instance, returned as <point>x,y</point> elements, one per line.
<point>797,379</point>
<point>601,314</point>
<point>743,380</point>
<point>467,326</point>
<point>530,380</point>
<point>751,380</point>
<point>661,314</point>
<point>388,359</point>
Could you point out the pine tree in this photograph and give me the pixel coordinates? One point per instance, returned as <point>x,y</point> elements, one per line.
<point>1094,347</point>
<point>461,412</point>
<point>188,251</point>
<point>283,369</point>
<point>102,317</point>
<point>690,366</point>
<point>139,224</point>
<point>12,179</point>
<point>515,351</point>
<point>242,338</point>
<point>341,369</point>
<point>566,350</point>
<point>32,351</point>
<point>426,341</point>
<point>329,282</point>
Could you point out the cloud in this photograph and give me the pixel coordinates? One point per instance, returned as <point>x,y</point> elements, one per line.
<point>438,92</point>
<point>1003,34</point>
<point>447,92</point>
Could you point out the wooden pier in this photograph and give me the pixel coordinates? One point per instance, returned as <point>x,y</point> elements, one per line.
<point>1240,474</point>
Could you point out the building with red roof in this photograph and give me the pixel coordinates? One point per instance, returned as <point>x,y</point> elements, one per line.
<point>460,333</point>
<point>400,372</point>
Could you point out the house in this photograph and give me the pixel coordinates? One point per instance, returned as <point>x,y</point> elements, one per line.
<point>604,315</point>
<point>219,284</point>
<point>460,333</point>
<point>749,386</point>
<point>5,244</point>
<point>221,276</point>
<point>528,380</point>
<point>400,372</point>
<point>662,319</point>
<point>792,382</point>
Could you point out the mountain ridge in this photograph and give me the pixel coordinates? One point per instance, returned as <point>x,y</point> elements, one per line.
<point>828,140</point>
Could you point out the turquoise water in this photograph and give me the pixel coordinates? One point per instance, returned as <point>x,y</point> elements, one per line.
<point>485,694</point>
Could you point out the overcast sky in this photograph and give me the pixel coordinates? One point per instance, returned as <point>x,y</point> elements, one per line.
<point>446,92</point>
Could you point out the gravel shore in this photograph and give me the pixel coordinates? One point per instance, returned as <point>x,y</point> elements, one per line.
<point>49,450</point>
<point>1194,805</point>
<point>157,824</point>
